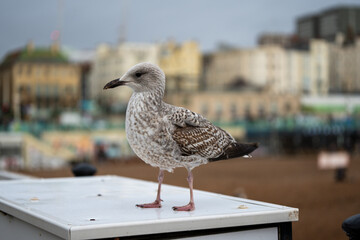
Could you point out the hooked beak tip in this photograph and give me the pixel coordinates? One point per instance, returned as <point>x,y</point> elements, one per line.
<point>113,84</point>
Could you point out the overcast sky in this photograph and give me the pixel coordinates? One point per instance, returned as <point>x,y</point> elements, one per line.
<point>87,23</point>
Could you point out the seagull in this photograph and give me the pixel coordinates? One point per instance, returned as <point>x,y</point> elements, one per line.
<point>167,136</point>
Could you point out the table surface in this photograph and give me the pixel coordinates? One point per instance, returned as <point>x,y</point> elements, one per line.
<point>104,206</point>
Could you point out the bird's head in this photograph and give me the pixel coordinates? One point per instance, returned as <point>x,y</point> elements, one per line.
<point>143,77</point>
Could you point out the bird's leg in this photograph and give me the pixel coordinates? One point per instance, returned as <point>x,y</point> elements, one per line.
<point>191,205</point>
<point>157,202</point>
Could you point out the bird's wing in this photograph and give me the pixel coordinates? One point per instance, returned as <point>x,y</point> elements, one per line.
<point>183,117</point>
<point>197,136</point>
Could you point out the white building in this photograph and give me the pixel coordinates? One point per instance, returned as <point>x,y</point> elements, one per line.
<point>350,68</point>
<point>111,63</point>
<point>326,68</point>
<point>278,69</point>
<point>334,68</point>
<point>79,55</point>
<point>319,67</point>
<point>267,66</point>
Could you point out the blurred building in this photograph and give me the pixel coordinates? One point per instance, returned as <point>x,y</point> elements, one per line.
<point>86,103</point>
<point>308,27</point>
<point>280,70</point>
<point>349,68</point>
<point>76,55</point>
<point>319,67</point>
<point>182,65</point>
<point>268,66</point>
<point>284,40</point>
<point>180,62</point>
<point>112,62</point>
<point>222,68</point>
<point>330,22</point>
<point>334,67</point>
<point>324,68</point>
<point>84,58</point>
<point>38,82</point>
<point>232,106</point>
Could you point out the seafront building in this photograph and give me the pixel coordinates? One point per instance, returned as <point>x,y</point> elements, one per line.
<point>38,82</point>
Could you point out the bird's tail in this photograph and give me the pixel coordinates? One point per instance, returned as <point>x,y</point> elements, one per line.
<point>236,150</point>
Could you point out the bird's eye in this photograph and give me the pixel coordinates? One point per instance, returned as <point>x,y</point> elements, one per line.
<point>138,74</point>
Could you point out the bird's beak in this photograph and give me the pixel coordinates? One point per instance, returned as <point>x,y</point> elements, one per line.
<point>114,83</point>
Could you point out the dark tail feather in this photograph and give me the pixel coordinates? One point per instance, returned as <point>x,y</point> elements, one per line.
<point>236,150</point>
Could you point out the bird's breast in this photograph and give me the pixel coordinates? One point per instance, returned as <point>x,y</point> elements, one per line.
<point>144,124</point>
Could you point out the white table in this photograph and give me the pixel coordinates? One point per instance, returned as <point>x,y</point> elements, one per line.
<point>104,207</point>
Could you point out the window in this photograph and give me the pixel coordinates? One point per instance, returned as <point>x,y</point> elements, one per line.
<point>247,111</point>
<point>46,70</point>
<point>69,90</point>
<point>233,111</point>
<point>55,90</point>
<point>288,107</point>
<point>261,111</point>
<point>24,89</point>
<point>218,111</point>
<point>20,69</point>
<point>29,70</point>
<point>47,90</point>
<point>38,71</point>
<point>274,108</point>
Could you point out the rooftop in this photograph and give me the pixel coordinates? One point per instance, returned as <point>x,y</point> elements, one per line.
<point>30,53</point>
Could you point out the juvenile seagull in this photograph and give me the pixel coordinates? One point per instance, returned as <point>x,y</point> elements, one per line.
<point>166,136</point>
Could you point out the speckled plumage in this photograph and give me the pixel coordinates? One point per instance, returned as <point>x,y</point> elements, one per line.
<point>167,136</point>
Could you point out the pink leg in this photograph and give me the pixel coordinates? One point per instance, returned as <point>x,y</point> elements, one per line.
<point>191,205</point>
<point>157,202</point>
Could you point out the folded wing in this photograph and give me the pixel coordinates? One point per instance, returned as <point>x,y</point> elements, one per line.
<point>197,136</point>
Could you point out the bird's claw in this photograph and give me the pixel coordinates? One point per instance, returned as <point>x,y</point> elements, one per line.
<point>155,204</point>
<point>189,207</point>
